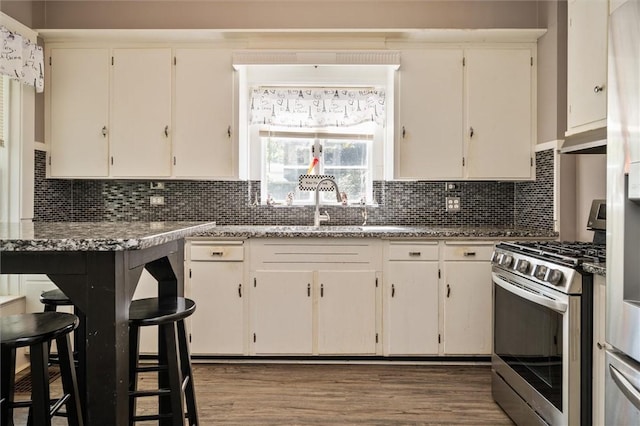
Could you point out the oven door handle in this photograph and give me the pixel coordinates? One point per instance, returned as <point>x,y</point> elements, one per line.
<point>625,386</point>
<point>559,307</point>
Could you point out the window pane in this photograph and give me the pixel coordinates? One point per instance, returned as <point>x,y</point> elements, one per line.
<point>345,153</point>
<point>287,158</point>
<point>351,181</point>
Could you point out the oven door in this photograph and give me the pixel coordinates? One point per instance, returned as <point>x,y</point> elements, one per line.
<point>535,347</point>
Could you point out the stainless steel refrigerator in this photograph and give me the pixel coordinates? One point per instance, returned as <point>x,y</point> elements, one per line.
<point>622,382</point>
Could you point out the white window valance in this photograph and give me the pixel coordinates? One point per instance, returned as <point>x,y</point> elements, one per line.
<point>21,59</point>
<point>316,107</point>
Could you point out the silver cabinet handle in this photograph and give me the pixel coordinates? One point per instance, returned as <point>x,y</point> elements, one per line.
<point>104,131</point>
<point>598,89</point>
<point>627,388</point>
<point>166,131</point>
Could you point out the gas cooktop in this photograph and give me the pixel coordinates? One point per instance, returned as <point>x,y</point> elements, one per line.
<point>568,253</point>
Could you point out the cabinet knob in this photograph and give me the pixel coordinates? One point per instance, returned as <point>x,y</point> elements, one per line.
<point>104,131</point>
<point>598,89</point>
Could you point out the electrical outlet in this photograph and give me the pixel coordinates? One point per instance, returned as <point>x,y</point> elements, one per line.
<point>451,186</point>
<point>156,201</point>
<point>157,185</point>
<point>453,204</point>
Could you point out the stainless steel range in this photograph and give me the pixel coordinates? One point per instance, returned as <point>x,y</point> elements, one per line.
<point>543,316</point>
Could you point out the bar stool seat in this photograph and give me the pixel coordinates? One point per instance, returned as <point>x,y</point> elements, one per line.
<point>53,298</point>
<point>169,315</point>
<point>37,330</point>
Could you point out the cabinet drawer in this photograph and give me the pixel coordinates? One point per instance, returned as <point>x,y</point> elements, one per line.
<point>413,251</point>
<point>464,251</point>
<point>218,253</point>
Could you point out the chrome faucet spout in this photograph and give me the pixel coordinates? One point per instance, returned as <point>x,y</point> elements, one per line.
<point>317,217</point>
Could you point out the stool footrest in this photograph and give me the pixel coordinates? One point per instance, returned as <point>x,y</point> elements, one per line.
<point>58,404</point>
<point>150,417</point>
<point>151,368</point>
<point>185,382</point>
<point>145,393</point>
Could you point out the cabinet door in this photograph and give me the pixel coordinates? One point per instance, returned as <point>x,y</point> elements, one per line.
<point>204,138</point>
<point>79,112</point>
<point>281,312</point>
<point>587,64</point>
<point>217,325</point>
<point>411,308</point>
<point>499,130</point>
<point>346,312</point>
<point>429,135</point>
<point>467,308</point>
<point>141,113</point>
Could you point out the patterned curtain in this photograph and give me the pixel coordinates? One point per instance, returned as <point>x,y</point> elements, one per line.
<point>316,107</point>
<point>21,59</point>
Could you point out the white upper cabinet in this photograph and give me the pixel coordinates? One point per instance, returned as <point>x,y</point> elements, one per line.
<point>204,137</point>
<point>500,128</point>
<point>141,113</point>
<point>79,112</point>
<point>586,65</point>
<point>429,137</point>
<point>466,113</point>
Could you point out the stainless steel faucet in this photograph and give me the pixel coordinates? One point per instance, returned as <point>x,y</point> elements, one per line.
<point>317,218</point>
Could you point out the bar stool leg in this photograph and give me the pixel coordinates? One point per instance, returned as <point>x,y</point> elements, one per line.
<point>185,364</point>
<point>7,381</point>
<point>174,373</point>
<point>39,413</point>
<point>134,343</point>
<point>69,381</point>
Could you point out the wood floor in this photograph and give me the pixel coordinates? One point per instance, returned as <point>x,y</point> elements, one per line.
<point>338,394</point>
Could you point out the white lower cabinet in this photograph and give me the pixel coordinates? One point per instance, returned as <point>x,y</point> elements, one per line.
<point>282,313</point>
<point>410,300</point>
<point>216,284</point>
<point>347,312</point>
<point>340,296</point>
<point>467,299</point>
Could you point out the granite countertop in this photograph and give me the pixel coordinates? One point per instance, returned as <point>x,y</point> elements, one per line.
<point>373,231</point>
<point>94,236</point>
<point>595,268</point>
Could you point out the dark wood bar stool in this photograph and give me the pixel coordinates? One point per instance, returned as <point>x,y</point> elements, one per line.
<point>51,299</point>
<point>37,330</point>
<point>168,315</point>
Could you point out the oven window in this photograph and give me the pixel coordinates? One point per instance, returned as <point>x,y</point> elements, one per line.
<point>528,337</point>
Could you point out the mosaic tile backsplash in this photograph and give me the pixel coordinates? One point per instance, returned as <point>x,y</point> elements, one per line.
<point>497,204</point>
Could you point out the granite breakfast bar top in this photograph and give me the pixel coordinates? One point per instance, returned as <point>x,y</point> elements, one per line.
<point>373,231</point>
<point>94,236</point>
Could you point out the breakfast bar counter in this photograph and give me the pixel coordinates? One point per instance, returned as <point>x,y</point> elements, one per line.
<point>97,265</point>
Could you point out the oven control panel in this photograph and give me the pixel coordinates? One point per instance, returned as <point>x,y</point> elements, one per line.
<point>559,277</point>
